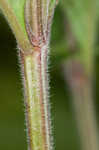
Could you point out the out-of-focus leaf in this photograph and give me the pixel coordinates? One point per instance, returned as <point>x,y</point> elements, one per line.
<point>82,15</point>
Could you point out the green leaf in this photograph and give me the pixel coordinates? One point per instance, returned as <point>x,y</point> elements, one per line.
<point>14,13</point>
<point>18,8</point>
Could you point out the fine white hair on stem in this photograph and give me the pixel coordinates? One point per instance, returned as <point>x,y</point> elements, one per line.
<point>33,58</point>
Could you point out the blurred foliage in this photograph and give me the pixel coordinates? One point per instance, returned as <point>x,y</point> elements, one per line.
<point>82,16</point>
<point>12,128</point>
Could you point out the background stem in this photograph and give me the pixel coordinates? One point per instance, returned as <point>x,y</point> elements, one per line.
<point>81,87</point>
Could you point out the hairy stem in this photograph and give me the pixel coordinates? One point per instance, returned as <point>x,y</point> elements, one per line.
<point>36,99</point>
<point>33,40</point>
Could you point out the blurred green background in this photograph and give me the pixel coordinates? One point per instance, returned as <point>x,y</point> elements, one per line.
<point>12,125</point>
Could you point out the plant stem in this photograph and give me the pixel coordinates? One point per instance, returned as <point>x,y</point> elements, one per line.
<point>33,42</point>
<point>81,88</point>
<point>36,98</point>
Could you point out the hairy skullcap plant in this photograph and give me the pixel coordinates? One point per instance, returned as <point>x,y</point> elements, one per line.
<point>30,21</point>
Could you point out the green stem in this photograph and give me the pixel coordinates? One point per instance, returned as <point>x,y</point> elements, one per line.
<point>36,99</point>
<point>33,43</point>
<point>85,116</point>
